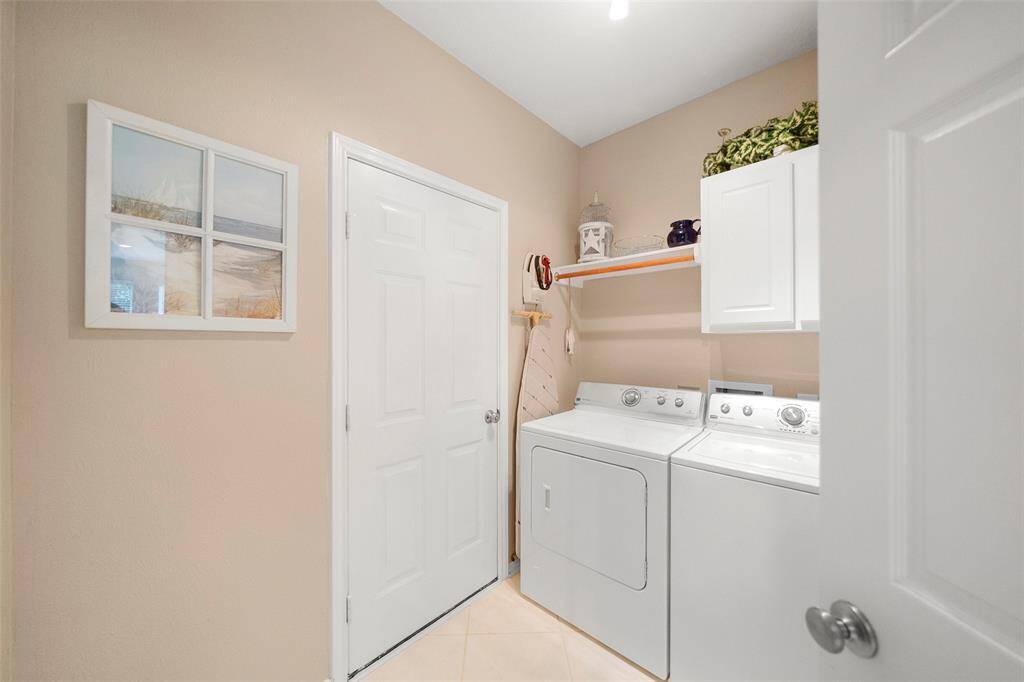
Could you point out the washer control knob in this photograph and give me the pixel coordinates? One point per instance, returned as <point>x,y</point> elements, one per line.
<point>724,408</point>
<point>630,397</point>
<point>747,410</point>
<point>793,415</point>
<point>679,402</point>
<point>661,400</point>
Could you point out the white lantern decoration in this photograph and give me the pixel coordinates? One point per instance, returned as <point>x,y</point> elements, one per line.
<point>595,232</point>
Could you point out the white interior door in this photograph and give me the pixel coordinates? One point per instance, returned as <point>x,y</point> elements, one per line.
<point>423,370</point>
<point>747,240</point>
<point>922,176</point>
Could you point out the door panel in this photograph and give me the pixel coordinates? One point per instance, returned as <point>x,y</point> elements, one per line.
<point>922,135</point>
<point>977,575</point>
<point>402,358</point>
<point>402,512</point>
<point>462,491</point>
<point>423,341</point>
<point>748,248</point>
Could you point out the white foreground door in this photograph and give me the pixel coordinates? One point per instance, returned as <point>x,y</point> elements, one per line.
<point>922,177</point>
<point>423,371</point>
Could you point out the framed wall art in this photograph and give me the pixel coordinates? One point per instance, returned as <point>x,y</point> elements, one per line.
<point>184,231</point>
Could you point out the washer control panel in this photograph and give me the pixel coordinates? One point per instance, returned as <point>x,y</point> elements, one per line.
<point>674,404</point>
<point>764,413</point>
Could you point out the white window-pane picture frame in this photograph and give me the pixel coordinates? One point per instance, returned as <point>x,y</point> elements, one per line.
<point>184,231</point>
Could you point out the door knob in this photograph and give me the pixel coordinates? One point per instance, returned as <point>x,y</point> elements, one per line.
<point>842,626</point>
<point>492,416</point>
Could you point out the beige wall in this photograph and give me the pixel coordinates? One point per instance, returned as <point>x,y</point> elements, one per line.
<point>6,204</point>
<point>171,489</point>
<point>646,329</point>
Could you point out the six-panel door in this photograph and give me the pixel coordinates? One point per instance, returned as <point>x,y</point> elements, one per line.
<point>423,370</point>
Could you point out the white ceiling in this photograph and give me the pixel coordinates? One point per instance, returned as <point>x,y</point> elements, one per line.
<point>589,77</point>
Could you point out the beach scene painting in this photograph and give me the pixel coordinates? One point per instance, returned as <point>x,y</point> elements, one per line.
<point>154,272</point>
<point>247,200</point>
<point>246,281</point>
<point>168,257</point>
<point>155,178</point>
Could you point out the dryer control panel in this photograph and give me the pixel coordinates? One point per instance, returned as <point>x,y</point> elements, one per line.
<point>765,414</point>
<point>669,404</point>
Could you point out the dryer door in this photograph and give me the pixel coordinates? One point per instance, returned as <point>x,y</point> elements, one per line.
<point>592,513</point>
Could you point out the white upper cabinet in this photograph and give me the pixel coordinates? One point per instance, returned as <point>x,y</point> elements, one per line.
<point>805,225</point>
<point>760,246</point>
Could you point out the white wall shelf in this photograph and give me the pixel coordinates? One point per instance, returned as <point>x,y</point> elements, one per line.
<point>675,258</point>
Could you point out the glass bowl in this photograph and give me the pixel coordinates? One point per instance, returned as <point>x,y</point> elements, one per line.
<point>630,246</point>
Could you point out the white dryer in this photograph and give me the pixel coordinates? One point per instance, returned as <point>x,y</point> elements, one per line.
<point>745,542</point>
<point>594,512</point>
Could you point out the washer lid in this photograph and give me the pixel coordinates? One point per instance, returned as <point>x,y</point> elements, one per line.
<point>785,462</point>
<point>644,437</point>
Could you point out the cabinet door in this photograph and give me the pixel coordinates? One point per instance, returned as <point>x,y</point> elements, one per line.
<point>747,277</point>
<point>805,219</point>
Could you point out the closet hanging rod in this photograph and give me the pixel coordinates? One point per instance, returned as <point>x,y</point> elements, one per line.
<point>627,266</point>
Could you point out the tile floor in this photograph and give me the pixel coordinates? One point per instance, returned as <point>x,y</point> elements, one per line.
<point>504,636</point>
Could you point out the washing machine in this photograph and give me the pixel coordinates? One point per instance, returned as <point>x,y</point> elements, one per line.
<point>745,542</point>
<point>594,512</point>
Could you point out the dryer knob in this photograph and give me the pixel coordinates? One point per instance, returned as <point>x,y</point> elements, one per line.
<point>679,402</point>
<point>748,410</point>
<point>630,397</point>
<point>724,408</point>
<point>661,400</point>
<point>793,415</point>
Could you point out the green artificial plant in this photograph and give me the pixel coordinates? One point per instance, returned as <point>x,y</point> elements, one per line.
<point>796,131</point>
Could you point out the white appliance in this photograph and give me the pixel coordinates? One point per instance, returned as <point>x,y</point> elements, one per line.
<point>594,483</point>
<point>744,542</point>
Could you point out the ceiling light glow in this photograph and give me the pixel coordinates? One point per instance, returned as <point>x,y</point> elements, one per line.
<point>619,10</point>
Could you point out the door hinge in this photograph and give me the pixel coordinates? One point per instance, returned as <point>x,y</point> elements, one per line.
<point>348,608</point>
<point>347,421</point>
<point>348,224</point>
